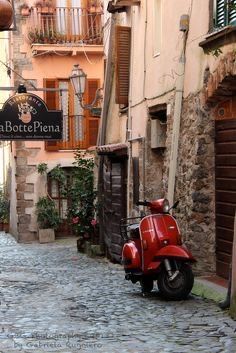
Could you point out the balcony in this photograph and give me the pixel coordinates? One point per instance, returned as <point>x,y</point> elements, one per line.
<point>65,26</point>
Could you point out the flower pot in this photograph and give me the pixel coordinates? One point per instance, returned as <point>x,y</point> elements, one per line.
<point>6,227</point>
<point>50,10</point>
<point>25,11</point>
<point>46,235</point>
<point>92,9</point>
<point>44,9</point>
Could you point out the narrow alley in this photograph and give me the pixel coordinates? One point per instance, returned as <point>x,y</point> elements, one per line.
<point>54,299</point>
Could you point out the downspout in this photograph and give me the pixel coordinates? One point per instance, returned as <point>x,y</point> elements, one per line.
<point>108,83</point>
<point>129,124</point>
<point>184,26</point>
<point>102,132</point>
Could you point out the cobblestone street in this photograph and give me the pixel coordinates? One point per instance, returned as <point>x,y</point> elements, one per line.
<point>56,300</point>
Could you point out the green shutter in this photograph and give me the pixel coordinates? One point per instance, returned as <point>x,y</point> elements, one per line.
<point>225,13</point>
<point>232,13</point>
<point>221,13</point>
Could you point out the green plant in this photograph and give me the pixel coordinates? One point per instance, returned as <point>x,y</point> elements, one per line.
<point>4,207</point>
<point>42,168</point>
<point>47,214</point>
<point>82,196</point>
<point>36,35</point>
<point>57,173</point>
<point>214,52</point>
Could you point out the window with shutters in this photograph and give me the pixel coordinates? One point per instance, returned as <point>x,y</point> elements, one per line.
<point>80,128</point>
<point>123,41</point>
<point>224,13</point>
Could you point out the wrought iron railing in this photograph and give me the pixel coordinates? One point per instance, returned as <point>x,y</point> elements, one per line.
<point>62,25</point>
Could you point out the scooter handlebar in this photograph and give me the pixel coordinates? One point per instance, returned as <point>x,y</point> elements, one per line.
<point>143,203</point>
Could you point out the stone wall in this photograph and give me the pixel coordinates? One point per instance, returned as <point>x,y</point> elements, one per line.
<point>24,192</point>
<point>23,189</point>
<point>195,183</point>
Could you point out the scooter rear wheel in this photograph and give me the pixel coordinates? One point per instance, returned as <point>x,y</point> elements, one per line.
<point>178,288</point>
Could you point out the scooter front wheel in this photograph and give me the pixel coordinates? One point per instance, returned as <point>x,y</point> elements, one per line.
<point>179,287</point>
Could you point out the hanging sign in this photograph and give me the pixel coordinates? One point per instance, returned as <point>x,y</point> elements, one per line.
<point>25,116</point>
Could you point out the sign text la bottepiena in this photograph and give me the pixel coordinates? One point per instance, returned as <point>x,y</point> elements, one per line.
<point>25,116</point>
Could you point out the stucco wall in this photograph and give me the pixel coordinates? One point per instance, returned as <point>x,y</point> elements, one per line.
<point>35,66</point>
<point>153,82</point>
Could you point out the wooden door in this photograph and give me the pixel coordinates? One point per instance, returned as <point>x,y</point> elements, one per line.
<point>225,163</point>
<point>114,206</point>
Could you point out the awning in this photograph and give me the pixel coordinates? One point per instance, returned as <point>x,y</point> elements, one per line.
<point>117,149</point>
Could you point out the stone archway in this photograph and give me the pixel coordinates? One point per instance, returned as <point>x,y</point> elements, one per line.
<point>221,84</point>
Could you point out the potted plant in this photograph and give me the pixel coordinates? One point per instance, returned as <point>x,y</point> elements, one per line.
<point>46,6</point>
<point>81,211</point>
<point>48,219</point>
<point>92,6</point>
<point>25,10</point>
<point>4,211</point>
<point>38,6</point>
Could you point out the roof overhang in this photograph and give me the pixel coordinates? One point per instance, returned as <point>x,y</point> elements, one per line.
<point>120,5</point>
<point>116,149</point>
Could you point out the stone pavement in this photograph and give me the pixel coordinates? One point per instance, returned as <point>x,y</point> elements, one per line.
<point>54,299</point>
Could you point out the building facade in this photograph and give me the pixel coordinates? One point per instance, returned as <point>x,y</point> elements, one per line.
<point>51,37</point>
<point>168,126</point>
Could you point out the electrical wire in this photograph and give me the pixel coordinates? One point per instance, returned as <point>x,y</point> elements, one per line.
<point>15,72</point>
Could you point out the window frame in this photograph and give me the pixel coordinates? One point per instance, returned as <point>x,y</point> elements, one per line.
<point>90,122</point>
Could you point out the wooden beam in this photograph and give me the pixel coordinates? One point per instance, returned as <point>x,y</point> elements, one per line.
<point>127,2</point>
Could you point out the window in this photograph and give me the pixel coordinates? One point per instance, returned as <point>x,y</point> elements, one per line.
<point>157,24</point>
<point>80,128</point>
<point>61,202</point>
<point>224,13</point>
<point>158,128</point>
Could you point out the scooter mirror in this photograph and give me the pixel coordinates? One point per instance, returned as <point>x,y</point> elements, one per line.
<point>175,204</point>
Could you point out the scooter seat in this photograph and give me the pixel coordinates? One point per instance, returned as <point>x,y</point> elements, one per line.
<point>133,230</point>
<point>132,227</point>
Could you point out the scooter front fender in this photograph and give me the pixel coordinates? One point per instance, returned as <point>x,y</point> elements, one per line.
<point>174,251</point>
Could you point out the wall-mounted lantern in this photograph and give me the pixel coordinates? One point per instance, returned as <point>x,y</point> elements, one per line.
<point>78,80</point>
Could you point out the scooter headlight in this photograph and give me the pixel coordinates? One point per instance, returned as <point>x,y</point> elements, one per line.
<point>166,206</point>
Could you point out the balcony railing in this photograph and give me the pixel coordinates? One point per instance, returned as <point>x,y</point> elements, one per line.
<point>63,25</point>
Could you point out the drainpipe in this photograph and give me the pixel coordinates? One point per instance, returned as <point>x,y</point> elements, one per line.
<point>184,26</point>
<point>130,118</point>
<point>102,133</point>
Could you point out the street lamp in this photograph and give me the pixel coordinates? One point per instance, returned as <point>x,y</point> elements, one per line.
<point>78,81</point>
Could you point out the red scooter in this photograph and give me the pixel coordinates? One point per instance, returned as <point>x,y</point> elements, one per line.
<point>153,250</point>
